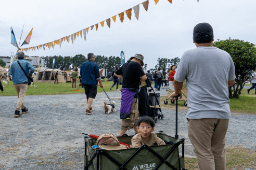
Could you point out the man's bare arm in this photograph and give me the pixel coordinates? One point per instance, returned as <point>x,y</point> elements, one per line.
<point>143,78</point>
<point>119,76</point>
<point>231,83</point>
<point>178,88</point>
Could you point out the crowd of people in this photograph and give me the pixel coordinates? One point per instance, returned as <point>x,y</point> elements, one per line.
<point>208,72</point>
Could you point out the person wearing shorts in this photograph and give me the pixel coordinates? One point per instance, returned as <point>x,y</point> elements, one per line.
<point>90,76</point>
<point>132,75</point>
<point>171,77</point>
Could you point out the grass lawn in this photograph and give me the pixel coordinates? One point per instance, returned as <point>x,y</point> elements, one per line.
<point>51,89</point>
<point>236,158</point>
<point>245,103</point>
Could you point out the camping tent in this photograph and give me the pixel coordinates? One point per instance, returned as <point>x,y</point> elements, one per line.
<point>47,75</point>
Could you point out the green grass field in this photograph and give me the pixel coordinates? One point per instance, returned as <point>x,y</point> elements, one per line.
<point>51,89</point>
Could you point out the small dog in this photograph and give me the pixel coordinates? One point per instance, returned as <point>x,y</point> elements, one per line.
<point>109,107</point>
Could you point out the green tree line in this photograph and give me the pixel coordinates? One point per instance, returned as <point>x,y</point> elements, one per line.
<point>64,63</point>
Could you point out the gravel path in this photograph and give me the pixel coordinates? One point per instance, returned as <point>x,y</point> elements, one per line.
<point>50,135</point>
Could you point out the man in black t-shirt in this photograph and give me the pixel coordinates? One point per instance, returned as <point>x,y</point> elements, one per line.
<point>132,75</point>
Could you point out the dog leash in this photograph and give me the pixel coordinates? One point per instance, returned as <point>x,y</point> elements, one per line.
<point>107,95</point>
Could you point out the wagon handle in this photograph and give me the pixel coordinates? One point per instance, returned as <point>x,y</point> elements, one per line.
<point>176,129</point>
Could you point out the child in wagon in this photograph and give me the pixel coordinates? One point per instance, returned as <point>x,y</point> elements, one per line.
<point>145,136</point>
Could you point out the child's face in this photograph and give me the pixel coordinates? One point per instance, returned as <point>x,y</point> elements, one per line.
<point>145,130</point>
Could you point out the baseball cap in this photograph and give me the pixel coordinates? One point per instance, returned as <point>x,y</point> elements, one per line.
<point>203,33</point>
<point>139,57</point>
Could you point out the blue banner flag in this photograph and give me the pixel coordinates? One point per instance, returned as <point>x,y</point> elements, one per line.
<point>53,62</point>
<point>122,57</point>
<point>13,39</point>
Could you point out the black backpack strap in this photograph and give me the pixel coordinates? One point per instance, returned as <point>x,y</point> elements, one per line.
<point>22,69</point>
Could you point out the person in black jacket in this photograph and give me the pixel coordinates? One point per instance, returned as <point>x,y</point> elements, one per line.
<point>149,76</point>
<point>115,80</point>
<point>1,87</point>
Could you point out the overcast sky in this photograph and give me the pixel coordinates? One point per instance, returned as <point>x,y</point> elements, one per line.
<point>165,30</point>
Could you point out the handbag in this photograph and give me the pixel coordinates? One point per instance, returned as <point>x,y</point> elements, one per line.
<point>30,79</point>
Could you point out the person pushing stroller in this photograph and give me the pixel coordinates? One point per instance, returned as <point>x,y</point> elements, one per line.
<point>132,75</point>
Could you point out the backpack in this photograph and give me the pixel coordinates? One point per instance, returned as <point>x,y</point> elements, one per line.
<point>159,75</point>
<point>107,139</point>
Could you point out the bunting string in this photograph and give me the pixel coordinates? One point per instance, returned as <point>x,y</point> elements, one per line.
<point>85,31</point>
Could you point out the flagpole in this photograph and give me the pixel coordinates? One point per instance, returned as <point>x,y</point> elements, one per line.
<point>21,34</point>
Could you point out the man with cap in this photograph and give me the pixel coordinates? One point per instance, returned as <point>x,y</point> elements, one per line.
<point>132,75</point>
<point>20,81</point>
<point>90,76</point>
<point>208,71</point>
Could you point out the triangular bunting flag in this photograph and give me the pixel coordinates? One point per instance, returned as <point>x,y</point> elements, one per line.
<point>84,32</point>
<point>114,18</point>
<point>136,10</point>
<point>72,38</point>
<point>87,30</point>
<point>63,39</point>
<point>102,23</point>
<point>81,33</point>
<point>34,48</point>
<point>60,42</point>
<point>108,22</point>
<point>13,39</point>
<point>171,1</point>
<point>52,45</point>
<point>96,25</point>
<point>44,46</point>
<point>156,1</point>
<point>129,13</point>
<point>92,27</point>
<point>121,15</point>
<point>27,40</point>
<point>77,34</point>
<point>68,38</point>
<point>145,4</point>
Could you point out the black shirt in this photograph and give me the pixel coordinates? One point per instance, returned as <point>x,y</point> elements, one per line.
<point>1,87</point>
<point>131,72</point>
<point>114,77</point>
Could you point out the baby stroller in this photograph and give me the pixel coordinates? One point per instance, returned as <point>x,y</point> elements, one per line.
<point>165,157</point>
<point>154,103</point>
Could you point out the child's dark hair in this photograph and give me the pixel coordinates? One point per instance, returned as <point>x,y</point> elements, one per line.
<point>146,119</point>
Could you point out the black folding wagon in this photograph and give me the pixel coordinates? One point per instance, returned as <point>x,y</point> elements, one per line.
<point>165,157</point>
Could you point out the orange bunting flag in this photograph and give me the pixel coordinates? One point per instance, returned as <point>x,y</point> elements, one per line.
<point>96,25</point>
<point>121,15</point>
<point>102,23</point>
<point>75,36</point>
<point>84,31</point>
<point>171,1</point>
<point>50,44</point>
<point>156,1</point>
<point>108,22</point>
<point>145,4</point>
<point>67,38</point>
<point>80,33</point>
<point>129,13</point>
<point>87,30</point>
<point>114,18</point>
